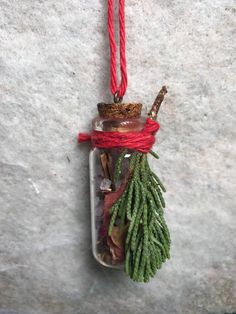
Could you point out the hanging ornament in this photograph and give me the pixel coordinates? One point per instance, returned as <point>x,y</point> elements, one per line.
<point>127,206</point>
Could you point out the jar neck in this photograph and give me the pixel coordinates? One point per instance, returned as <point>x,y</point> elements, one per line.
<point>119,125</point>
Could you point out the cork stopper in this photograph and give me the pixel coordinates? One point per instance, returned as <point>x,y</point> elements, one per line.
<point>119,110</point>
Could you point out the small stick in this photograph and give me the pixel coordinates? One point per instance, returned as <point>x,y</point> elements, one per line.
<point>105,158</point>
<point>157,103</point>
<point>106,163</point>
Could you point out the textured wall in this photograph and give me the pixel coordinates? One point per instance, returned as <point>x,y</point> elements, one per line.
<point>53,71</point>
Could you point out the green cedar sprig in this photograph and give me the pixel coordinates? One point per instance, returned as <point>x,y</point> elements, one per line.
<point>141,206</point>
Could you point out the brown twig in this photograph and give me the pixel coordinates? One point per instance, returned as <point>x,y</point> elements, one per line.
<point>106,162</point>
<point>157,103</point>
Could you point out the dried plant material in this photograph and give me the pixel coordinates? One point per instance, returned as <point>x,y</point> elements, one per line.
<point>105,185</point>
<point>109,201</point>
<point>157,103</point>
<point>118,236</point>
<point>106,165</point>
<point>115,242</point>
<point>117,254</point>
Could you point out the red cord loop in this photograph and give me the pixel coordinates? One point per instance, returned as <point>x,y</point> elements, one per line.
<point>141,141</point>
<point>121,89</point>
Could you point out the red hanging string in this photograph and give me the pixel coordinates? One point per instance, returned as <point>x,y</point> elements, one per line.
<point>115,89</point>
<point>141,141</point>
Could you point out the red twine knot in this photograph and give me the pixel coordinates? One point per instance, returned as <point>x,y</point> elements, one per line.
<point>141,141</point>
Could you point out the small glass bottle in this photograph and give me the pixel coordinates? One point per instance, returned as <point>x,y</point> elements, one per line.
<point>105,189</point>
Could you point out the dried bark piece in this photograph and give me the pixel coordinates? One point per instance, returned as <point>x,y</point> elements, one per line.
<point>106,165</point>
<point>157,103</point>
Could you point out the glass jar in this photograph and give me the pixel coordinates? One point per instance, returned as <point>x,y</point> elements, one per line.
<point>107,182</point>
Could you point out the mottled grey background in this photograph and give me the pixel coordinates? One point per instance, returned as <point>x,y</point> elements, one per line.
<point>53,71</point>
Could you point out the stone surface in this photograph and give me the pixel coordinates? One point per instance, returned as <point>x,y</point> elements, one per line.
<point>53,71</point>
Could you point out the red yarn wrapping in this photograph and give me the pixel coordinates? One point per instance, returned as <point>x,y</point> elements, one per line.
<point>141,141</point>
<point>121,89</point>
